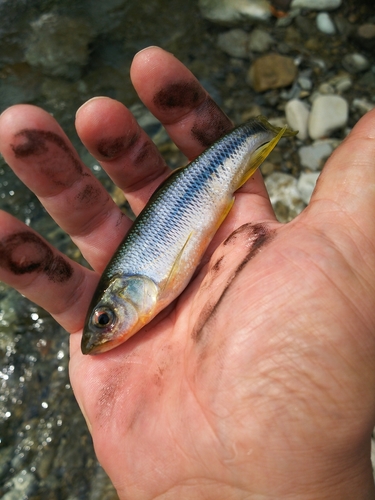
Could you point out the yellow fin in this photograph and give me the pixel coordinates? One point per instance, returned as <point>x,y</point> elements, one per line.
<point>225,213</point>
<point>261,153</point>
<point>286,131</point>
<point>176,263</point>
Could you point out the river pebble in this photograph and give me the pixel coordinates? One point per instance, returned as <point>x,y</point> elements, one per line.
<point>325,23</point>
<point>362,105</point>
<point>59,44</point>
<point>316,4</point>
<point>234,42</point>
<point>306,184</point>
<point>328,114</point>
<point>314,155</point>
<point>341,83</point>
<point>272,71</point>
<point>304,81</point>
<point>23,485</point>
<point>366,35</point>
<point>284,195</point>
<point>355,63</point>
<point>297,117</point>
<point>233,12</point>
<point>260,40</point>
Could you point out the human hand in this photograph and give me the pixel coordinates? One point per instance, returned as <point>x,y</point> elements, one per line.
<point>258,381</point>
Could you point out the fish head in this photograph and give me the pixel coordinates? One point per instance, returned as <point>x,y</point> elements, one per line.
<point>117,313</point>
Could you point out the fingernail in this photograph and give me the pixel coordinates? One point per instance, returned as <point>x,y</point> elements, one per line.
<point>90,100</point>
<point>147,48</point>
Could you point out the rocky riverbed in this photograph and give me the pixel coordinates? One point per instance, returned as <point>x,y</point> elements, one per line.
<point>306,63</point>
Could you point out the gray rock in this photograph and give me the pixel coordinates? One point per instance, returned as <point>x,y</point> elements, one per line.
<point>234,43</point>
<point>260,40</point>
<point>326,88</point>
<point>306,184</point>
<point>107,16</point>
<point>362,105</point>
<point>59,44</point>
<point>297,116</point>
<point>325,23</point>
<point>314,155</point>
<point>355,63</point>
<point>19,83</point>
<point>328,113</point>
<point>305,83</point>
<point>366,35</point>
<point>316,4</point>
<point>341,83</point>
<point>284,195</point>
<point>272,71</point>
<point>234,12</point>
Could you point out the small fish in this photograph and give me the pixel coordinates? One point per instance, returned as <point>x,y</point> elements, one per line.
<point>158,256</point>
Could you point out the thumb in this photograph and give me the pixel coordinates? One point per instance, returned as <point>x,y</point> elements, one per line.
<point>346,186</point>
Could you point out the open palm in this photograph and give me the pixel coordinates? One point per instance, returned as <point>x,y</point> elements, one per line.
<point>258,381</point>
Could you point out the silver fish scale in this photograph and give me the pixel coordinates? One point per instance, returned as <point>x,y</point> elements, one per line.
<point>184,213</point>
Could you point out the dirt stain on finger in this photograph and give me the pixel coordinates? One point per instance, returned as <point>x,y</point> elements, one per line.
<point>113,147</point>
<point>210,123</point>
<point>25,252</point>
<point>182,94</point>
<point>89,195</point>
<point>45,148</point>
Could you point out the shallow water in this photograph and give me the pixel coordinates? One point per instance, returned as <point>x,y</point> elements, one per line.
<point>45,448</point>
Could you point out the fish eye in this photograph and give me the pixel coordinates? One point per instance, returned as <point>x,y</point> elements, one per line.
<point>103,317</point>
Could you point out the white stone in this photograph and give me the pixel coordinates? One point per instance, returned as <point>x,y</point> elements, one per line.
<point>314,155</point>
<point>326,88</point>
<point>234,43</point>
<point>305,83</point>
<point>325,23</point>
<point>284,195</point>
<point>328,113</point>
<point>341,82</point>
<point>315,4</point>
<point>260,40</point>
<point>362,105</point>
<point>306,184</point>
<point>297,117</point>
<point>233,12</point>
<point>355,63</point>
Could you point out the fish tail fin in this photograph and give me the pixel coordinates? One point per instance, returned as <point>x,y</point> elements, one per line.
<point>287,132</point>
<point>261,153</point>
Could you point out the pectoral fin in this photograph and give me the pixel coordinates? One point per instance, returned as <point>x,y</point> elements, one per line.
<point>260,155</point>
<point>225,213</point>
<point>176,264</point>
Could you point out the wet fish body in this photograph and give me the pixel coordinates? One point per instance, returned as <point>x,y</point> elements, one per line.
<point>160,253</point>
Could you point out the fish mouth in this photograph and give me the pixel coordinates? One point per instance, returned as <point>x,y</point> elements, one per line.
<point>97,343</point>
<point>90,344</point>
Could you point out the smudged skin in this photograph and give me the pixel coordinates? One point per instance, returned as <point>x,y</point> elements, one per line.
<point>25,252</point>
<point>252,236</point>
<point>285,362</point>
